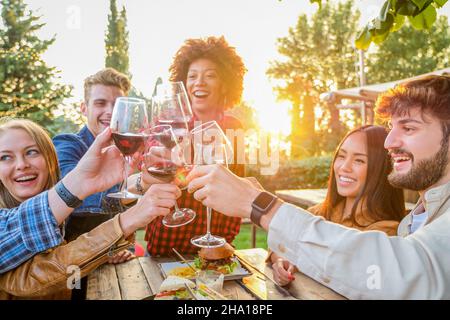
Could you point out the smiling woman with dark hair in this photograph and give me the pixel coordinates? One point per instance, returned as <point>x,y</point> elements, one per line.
<point>359,193</point>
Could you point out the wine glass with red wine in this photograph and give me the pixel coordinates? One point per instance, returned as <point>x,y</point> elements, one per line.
<point>211,146</point>
<point>165,160</point>
<point>129,123</point>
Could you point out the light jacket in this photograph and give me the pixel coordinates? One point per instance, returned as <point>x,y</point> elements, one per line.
<point>47,273</point>
<point>370,264</point>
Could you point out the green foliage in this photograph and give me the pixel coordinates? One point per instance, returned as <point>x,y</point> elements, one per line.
<point>306,173</point>
<point>27,85</point>
<point>116,40</point>
<point>318,57</point>
<point>420,13</point>
<point>410,53</point>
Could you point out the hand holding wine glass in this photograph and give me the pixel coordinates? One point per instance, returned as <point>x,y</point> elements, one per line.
<point>211,146</point>
<point>128,125</point>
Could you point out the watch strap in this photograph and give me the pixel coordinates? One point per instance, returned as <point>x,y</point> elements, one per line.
<point>69,199</point>
<point>257,213</point>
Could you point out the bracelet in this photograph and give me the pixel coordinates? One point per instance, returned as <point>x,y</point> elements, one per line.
<point>69,199</point>
<point>139,187</point>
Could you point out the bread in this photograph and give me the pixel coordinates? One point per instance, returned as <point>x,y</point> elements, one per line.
<point>218,253</point>
<point>172,283</point>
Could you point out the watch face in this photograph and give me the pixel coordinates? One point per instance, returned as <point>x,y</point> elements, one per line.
<point>264,200</point>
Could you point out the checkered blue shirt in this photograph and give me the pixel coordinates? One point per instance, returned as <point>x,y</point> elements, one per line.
<point>26,230</point>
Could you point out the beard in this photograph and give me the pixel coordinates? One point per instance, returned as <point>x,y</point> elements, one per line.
<point>425,173</point>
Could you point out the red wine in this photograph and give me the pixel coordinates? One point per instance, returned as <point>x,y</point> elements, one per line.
<point>165,139</point>
<point>163,172</point>
<point>129,143</point>
<point>179,127</point>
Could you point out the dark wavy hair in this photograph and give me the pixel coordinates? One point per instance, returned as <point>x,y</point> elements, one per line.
<point>230,66</point>
<point>383,201</point>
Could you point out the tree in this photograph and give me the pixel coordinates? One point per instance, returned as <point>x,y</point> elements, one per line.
<point>420,13</point>
<point>116,40</point>
<point>27,85</point>
<point>411,53</point>
<point>318,57</point>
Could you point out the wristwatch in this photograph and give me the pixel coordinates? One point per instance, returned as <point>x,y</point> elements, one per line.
<point>261,205</point>
<point>69,199</point>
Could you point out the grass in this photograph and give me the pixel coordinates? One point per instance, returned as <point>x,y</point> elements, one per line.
<point>242,241</point>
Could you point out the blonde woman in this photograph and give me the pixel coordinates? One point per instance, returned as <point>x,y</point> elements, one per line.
<point>34,205</point>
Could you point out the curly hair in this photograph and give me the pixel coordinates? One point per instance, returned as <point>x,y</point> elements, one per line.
<point>230,66</point>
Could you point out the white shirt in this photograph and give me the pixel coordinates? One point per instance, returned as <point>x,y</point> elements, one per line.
<point>370,264</point>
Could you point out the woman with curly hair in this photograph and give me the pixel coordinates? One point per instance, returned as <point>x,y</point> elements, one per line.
<point>212,73</point>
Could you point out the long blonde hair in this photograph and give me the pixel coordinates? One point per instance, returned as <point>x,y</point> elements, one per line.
<point>45,146</point>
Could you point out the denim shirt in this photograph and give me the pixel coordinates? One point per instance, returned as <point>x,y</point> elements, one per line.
<point>70,148</point>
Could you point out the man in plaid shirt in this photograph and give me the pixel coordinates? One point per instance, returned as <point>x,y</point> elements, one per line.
<point>26,230</point>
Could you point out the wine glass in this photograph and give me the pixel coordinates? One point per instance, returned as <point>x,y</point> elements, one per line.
<point>165,160</point>
<point>129,122</point>
<point>211,146</point>
<point>171,106</point>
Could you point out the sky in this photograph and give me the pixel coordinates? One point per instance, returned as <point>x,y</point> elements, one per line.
<point>157,28</point>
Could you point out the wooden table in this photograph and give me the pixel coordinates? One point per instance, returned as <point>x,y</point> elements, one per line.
<point>141,278</point>
<point>309,197</point>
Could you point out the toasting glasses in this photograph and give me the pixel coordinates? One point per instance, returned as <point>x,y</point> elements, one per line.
<point>165,160</point>
<point>171,106</point>
<point>211,146</point>
<point>129,122</point>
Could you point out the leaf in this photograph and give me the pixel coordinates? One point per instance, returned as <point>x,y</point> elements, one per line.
<point>378,39</point>
<point>399,20</point>
<point>407,8</point>
<point>420,3</point>
<point>363,39</point>
<point>384,10</point>
<point>425,19</point>
<point>383,27</point>
<point>440,3</point>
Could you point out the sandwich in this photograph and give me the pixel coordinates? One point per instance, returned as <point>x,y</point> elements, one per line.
<point>219,259</point>
<point>174,288</point>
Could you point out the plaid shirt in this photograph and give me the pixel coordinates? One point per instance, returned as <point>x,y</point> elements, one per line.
<point>26,230</point>
<point>161,240</point>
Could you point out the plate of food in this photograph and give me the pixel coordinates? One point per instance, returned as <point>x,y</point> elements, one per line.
<point>175,288</point>
<point>220,259</point>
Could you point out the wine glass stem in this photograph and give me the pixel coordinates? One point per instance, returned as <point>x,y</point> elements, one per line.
<point>208,222</point>
<point>125,180</point>
<point>177,210</point>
